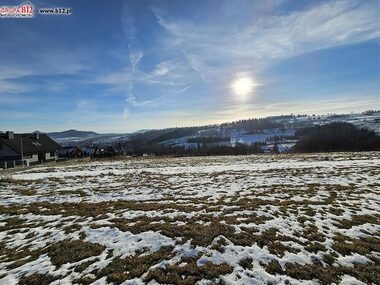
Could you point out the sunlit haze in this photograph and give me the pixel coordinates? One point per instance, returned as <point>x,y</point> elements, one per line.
<point>243,86</point>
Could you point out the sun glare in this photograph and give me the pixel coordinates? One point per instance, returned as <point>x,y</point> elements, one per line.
<point>243,86</point>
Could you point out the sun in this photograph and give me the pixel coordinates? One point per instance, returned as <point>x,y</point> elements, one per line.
<point>243,86</point>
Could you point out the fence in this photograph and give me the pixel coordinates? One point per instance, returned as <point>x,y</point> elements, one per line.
<point>11,163</point>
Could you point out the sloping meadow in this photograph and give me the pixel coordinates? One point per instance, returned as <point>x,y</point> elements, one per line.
<point>264,219</point>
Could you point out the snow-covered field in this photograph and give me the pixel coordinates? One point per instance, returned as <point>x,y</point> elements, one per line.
<point>260,219</point>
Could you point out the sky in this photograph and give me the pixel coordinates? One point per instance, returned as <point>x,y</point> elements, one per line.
<point>122,66</point>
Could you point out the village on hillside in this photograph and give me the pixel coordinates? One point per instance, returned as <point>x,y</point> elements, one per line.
<point>277,136</point>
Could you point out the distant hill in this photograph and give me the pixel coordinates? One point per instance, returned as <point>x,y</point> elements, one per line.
<point>142,131</point>
<point>269,131</point>
<point>72,133</point>
<point>75,137</point>
<point>72,136</point>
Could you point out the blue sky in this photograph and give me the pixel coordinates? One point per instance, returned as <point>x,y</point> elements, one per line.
<point>120,66</point>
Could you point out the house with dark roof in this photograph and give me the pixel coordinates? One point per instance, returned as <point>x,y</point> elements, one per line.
<point>27,148</point>
<point>90,151</point>
<point>70,152</point>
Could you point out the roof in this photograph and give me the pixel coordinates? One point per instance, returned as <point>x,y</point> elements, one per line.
<point>89,149</point>
<point>30,144</point>
<point>67,150</point>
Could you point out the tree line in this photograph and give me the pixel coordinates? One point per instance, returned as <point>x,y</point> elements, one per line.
<point>338,136</point>
<point>254,125</point>
<point>205,150</point>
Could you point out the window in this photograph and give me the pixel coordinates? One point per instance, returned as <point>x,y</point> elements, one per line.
<point>1,145</point>
<point>52,154</point>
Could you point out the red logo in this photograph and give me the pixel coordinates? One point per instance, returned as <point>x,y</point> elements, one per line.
<point>25,10</point>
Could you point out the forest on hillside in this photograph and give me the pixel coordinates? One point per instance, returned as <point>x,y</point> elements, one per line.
<point>338,136</point>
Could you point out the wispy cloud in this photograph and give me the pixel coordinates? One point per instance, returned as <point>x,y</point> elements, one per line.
<point>135,52</point>
<point>8,83</point>
<point>37,62</point>
<point>165,67</point>
<point>86,106</point>
<point>196,64</point>
<point>184,89</point>
<point>170,75</point>
<point>268,37</point>
<point>127,80</point>
<point>12,99</point>
<point>327,25</point>
<point>125,113</point>
<point>10,87</point>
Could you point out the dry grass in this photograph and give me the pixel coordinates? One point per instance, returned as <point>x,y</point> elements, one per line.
<point>71,251</point>
<point>37,279</point>
<point>305,211</point>
<point>188,272</point>
<point>26,192</point>
<point>133,266</point>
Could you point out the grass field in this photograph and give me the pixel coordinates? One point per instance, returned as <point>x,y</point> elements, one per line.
<point>265,219</point>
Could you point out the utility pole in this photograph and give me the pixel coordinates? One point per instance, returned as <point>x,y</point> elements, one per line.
<point>22,154</point>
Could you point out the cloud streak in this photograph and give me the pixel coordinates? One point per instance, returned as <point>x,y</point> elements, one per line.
<point>325,25</point>
<point>135,52</point>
